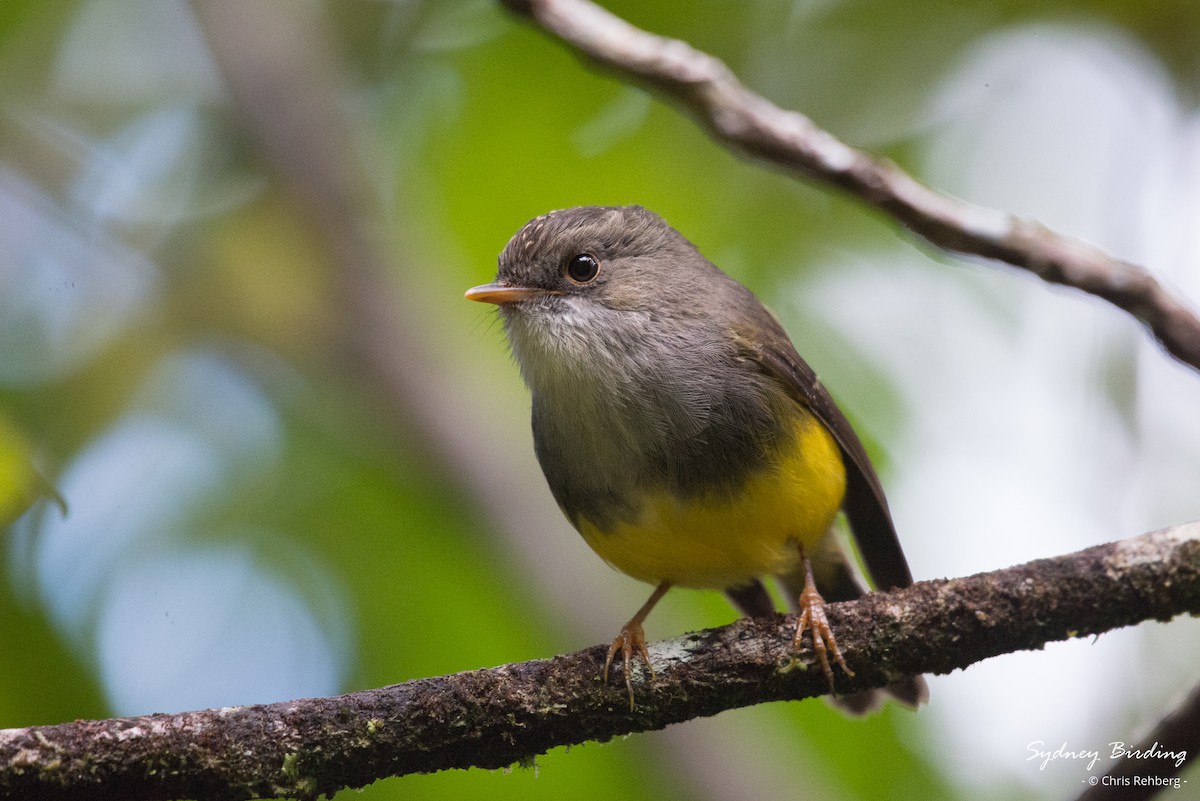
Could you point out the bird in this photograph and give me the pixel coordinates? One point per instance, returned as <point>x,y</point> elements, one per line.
<point>681,433</point>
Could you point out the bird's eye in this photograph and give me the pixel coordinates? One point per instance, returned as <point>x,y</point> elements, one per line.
<point>582,268</point>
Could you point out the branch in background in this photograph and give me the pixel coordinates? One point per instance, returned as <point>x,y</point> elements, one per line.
<point>749,123</point>
<point>266,50</point>
<point>496,717</point>
<point>1178,732</point>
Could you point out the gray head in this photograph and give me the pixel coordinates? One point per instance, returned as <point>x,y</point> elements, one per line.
<point>608,291</point>
<point>619,257</point>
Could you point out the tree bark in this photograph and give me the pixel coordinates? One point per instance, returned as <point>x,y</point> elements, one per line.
<point>500,716</point>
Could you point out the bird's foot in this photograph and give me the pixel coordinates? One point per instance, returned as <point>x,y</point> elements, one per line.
<point>812,617</point>
<point>630,642</point>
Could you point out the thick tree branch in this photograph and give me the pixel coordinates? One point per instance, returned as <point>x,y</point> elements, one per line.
<point>495,717</point>
<point>752,125</point>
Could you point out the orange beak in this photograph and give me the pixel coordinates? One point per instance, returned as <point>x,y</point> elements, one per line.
<point>501,294</point>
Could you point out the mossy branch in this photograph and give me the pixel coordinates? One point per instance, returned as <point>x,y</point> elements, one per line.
<point>499,716</point>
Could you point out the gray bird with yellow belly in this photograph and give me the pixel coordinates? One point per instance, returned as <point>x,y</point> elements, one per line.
<point>679,430</point>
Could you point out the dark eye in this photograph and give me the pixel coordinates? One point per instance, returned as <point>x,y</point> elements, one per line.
<point>582,268</point>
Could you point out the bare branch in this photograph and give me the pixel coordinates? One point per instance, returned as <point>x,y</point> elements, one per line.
<point>500,716</point>
<point>749,123</point>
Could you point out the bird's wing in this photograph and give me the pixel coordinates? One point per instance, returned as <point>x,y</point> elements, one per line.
<point>864,504</point>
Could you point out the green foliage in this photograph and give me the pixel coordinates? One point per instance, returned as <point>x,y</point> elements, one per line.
<point>464,124</point>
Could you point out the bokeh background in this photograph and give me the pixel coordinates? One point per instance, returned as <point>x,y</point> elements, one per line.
<point>233,244</point>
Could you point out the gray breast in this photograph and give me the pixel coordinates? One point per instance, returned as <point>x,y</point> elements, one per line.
<point>613,420</point>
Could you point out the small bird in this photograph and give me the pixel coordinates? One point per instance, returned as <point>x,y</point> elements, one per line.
<point>680,432</point>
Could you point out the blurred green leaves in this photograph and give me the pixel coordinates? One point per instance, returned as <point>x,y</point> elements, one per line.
<point>159,261</point>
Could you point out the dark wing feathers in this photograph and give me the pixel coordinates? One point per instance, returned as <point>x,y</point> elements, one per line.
<point>865,504</point>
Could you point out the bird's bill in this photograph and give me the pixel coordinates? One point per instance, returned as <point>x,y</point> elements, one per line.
<point>501,294</point>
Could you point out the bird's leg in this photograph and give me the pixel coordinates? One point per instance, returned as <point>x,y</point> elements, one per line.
<point>812,617</point>
<point>633,639</point>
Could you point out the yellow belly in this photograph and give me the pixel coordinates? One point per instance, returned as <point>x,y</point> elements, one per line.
<point>720,541</point>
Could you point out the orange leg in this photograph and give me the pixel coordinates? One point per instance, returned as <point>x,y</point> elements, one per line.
<point>812,617</point>
<point>633,639</point>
